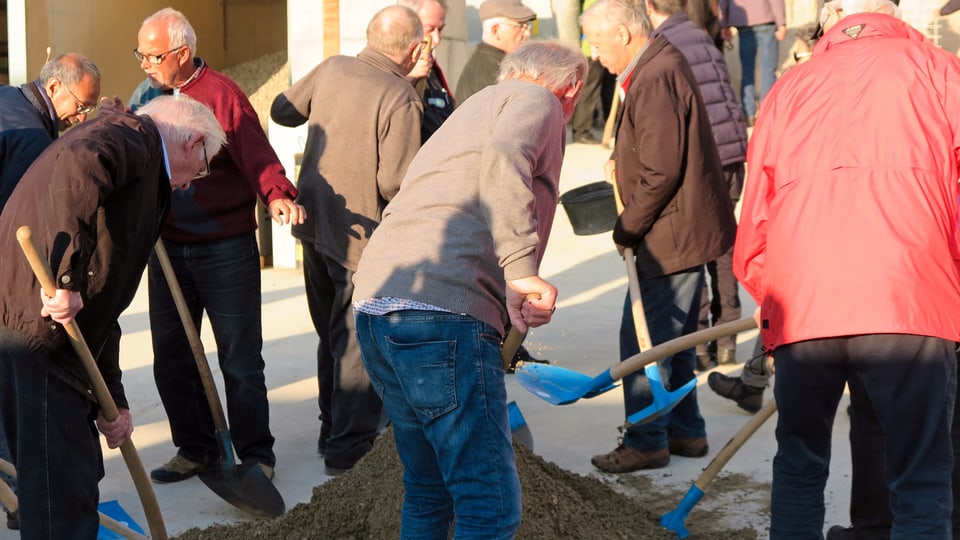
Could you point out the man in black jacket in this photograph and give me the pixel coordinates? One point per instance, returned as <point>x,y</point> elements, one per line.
<point>95,200</point>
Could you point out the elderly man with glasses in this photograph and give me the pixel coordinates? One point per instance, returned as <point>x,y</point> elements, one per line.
<point>506,25</point>
<point>32,115</point>
<point>210,236</point>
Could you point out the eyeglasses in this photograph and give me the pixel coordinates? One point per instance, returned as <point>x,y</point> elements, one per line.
<point>205,171</point>
<point>521,26</point>
<point>154,58</point>
<point>82,108</point>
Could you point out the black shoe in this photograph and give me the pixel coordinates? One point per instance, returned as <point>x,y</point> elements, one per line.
<point>839,532</point>
<point>748,398</point>
<point>523,355</point>
<point>586,138</point>
<point>13,520</point>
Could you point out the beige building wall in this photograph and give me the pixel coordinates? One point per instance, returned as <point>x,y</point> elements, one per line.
<point>228,32</point>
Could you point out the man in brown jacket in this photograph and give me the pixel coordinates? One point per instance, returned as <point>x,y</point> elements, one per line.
<point>95,200</point>
<point>677,216</point>
<point>364,129</point>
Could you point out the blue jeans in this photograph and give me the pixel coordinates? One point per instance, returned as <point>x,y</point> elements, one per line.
<point>753,39</point>
<point>441,380</point>
<point>671,304</point>
<point>910,382</point>
<point>57,450</point>
<point>223,278</point>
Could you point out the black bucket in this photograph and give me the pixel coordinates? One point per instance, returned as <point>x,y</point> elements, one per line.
<point>591,208</point>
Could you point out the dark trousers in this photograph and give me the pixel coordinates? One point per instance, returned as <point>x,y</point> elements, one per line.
<point>350,409</point>
<point>669,305</point>
<point>586,110</point>
<point>911,383</point>
<point>57,450</point>
<point>720,298</point>
<point>869,497</point>
<point>223,279</point>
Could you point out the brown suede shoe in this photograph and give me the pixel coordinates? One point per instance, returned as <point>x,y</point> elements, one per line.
<point>688,447</point>
<point>624,459</point>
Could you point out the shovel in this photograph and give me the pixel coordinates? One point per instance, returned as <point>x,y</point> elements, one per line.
<point>518,424</point>
<point>244,486</point>
<point>674,520</point>
<point>12,504</point>
<point>663,400</point>
<point>561,386</point>
<point>151,508</point>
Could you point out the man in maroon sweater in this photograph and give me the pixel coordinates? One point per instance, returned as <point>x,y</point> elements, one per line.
<point>209,235</point>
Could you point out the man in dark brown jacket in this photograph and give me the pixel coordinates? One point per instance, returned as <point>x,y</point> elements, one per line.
<point>677,216</point>
<point>95,201</point>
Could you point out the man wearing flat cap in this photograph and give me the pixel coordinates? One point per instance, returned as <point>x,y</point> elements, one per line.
<point>506,24</point>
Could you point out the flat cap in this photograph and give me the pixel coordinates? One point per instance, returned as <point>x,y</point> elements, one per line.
<point>511,9</point>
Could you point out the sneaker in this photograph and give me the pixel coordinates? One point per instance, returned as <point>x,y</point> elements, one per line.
<point>13,520</point>
<point>586,138</point>
<point>177,469</point>
<point>748,398</point>
<point>333,471</point>
<point>267,470</point>
<point>726,356</point>
<point>692,447</point>
<point>839,532</point>
<point>624,459</point>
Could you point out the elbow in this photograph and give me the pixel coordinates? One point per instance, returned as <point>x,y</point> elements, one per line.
<point>284,113</point>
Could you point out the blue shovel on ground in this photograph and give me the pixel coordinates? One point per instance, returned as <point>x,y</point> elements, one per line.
<point>674,520</point>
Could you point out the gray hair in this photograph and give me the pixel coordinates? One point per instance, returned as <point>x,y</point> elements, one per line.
<point>850,7</point>
<point>69,69</point>
<point>178,28</point>
<point>181,118</point>
<point>393,30</point>
<point>631,14</point>
<point>417,5</point>
<point>550,63</point>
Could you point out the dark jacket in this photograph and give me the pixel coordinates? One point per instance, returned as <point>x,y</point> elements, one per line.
<point>677,212</point>
<point>480,71</point>
<point>710,71</point>
<point>27,127</point>
<point>95,200</point>
<point>438,103</point>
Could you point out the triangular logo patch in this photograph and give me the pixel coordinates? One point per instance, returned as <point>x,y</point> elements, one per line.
<point>853,31</point>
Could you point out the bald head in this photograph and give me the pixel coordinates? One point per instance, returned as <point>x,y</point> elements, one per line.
<point>395,31</point>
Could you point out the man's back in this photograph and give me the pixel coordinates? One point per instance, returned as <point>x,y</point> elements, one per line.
<point>364,122</point>
<point>855,163</point>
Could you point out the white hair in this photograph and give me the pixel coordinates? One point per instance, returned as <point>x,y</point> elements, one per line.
<point>180,118</point>
<point>549,63</point>
<point>849,7</point>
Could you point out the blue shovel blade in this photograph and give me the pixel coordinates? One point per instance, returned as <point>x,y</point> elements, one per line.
<point>561,386</point>
<point>115,511</point>
<point>663,400</point>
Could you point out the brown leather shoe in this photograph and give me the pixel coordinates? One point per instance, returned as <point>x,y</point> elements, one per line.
<point>624,459</point>
<point>688,447</point>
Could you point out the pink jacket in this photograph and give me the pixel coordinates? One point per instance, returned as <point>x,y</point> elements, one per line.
<point>849,218</point>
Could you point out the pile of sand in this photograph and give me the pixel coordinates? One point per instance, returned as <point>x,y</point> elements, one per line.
<point>365,503</point>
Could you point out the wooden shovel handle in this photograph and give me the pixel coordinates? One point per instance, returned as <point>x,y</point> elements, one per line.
<point>141,481</point>
<point>734,444</point>
<point>196,346</point>
<point>636,302</point>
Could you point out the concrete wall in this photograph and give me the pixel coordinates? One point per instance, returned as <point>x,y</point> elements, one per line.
<point>228,32</point>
